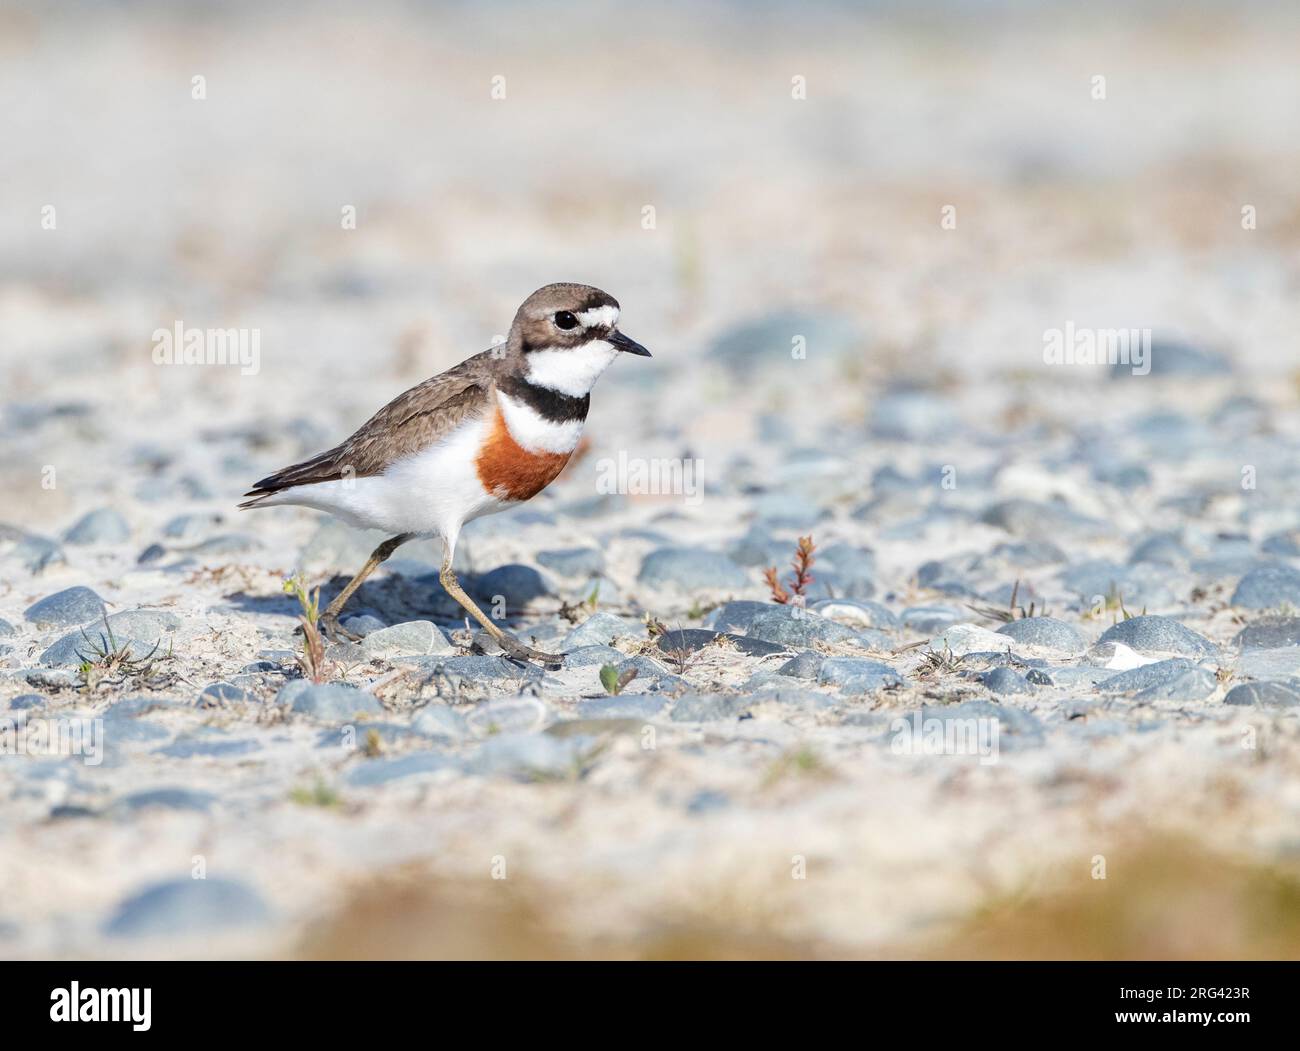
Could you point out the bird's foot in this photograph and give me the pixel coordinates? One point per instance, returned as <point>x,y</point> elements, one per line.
<point>333,631</point>
<point>520,652</point>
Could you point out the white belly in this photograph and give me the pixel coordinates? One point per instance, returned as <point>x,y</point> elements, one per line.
<point>431,493</point>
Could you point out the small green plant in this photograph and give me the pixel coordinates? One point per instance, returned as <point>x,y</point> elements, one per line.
<point>312,659</point>
<point>320,795</point>
<point>107,662</point>
<point>613,682</point>
<point>1012,612</point>
<point>802,566</point>
<point>798,762</point>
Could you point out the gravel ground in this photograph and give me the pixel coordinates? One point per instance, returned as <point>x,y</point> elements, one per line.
<point>1046,675</point>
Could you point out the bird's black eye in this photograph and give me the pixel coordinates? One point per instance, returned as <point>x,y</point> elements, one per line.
<point>564,319</point>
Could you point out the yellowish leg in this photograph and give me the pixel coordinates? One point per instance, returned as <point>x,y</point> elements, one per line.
<point>504,639</point>
<point>329,621</point>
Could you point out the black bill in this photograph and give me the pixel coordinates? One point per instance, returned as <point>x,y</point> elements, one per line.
<point>629,346</point>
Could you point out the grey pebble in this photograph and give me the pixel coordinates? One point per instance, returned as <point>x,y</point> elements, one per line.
<point>586,656</point>
<point>335,702</point>
<point>1005,681</point>
<point>382,771</point>
<point>188,906</point>
<point>103,526</point>
<point>75,605</point>
<point>411,638</point>
<point>1268,587</point>
<point>573,561</point>
<point>600,629</point>
<point>702,708</point>
<point>1153,635</point>
<point>1269,633</point>
<point>517,585</point>
<point>690,568</point>
<point>805,665</point>
<point>857,674</point>
<point>1265,694</point>
<point>1047,633</point>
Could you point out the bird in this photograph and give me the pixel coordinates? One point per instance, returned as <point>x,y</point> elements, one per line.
<point>480,438</point>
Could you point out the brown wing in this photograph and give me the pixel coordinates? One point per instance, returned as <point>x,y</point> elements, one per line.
<point>410,422</point>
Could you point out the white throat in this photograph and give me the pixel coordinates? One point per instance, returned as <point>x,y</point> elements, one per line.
<point>573,372</point>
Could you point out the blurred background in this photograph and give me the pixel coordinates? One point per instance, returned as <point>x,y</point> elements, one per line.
<point>919,190</point>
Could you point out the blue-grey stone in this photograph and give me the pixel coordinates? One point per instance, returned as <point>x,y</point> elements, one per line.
<point>513,715</point>
<point>75,605</point>
<point>628,706</point>
<point>474,668</point>
<point>1283,663</point>
<point>188,906</point>
<point>152,553</point>
<point>1164,549</point>
<point>737,615</point>
<point>793,626</point>
<point>853,570</point>
<point>1265,694</point>
<point>573,561</point>
<point>516,585</point>
<point>690,568</point>
<point>1046,632</point>
<point>27,701</point>
<point>1005,681</point>
<point>1153,635</point>
<point>218,694</point>
<point>1268,587</point>
<point>857,674</point>
<point>529,757</point>
<point>911,415</point>
<point>165,799</point>
<point>439,721</point>
<point>104,526</point>
<point>707,800</point>
<point>208,746</point>
<point>334,701</point>
<point>1125,476</point>
<point>1170,357</point>
<point>1024,728</point>
<point>382,771</point>
<point>768,340</point>
<point>1147,675</point>
<point>1269,633</point>
<point>1192,684</point>
<point>691,640</point>
<point>34,553</point>
<point>363,624</point>
<point>929,619</point>
<point>704,708</point>
<point>856,613</point>
<point>600,629</point>
<point>1044,521</point>
<point>586,656</point>
<point>7,630</point>
<point>410,638</point>
<point>805,665</point>
<point>193,526</point>
<point>1285,544</point>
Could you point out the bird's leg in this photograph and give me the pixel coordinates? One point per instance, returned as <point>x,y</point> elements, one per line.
<point>329,620</point>
<point>505,640</point>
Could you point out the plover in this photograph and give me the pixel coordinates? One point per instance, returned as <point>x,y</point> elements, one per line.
<point>481,437</point>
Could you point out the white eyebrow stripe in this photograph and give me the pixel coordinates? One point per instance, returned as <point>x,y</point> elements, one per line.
<point>607,316</point>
